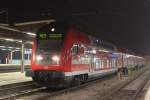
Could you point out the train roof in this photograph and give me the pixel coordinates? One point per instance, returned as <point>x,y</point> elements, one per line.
<point>65,25</point>
<point>102,44</point>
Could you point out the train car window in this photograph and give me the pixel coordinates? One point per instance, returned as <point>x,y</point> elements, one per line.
<point>96,63</point>
<point>110,63</point>
<point>102,63</point>
<point>75,49</point>
<point>113,62</point>
<point>53,45</point>
<point>79,56</point>
<point>107,63</point>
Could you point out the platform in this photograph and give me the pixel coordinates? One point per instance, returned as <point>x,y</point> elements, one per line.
<point>147,95</point>
<point>13,77</point>
<point>6,68</point>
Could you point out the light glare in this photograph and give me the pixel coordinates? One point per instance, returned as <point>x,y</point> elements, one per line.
<point>29,33</point>
<point>39,57</point>
<point>55,58</point>
<point>53,29</point>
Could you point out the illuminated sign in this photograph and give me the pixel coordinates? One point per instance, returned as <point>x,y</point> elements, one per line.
<point>53,36</point>
<point>42,36</point>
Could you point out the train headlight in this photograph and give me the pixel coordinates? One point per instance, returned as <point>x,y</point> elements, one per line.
<point>55,58</point>
<point>53,29</point>
<point>39,57</point>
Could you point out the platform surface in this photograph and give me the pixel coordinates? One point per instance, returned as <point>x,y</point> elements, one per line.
<point>147,89</point>
<point>13,77</point>
<point>147,95</point>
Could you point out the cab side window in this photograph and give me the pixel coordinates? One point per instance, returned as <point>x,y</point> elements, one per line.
<point>75,49</point>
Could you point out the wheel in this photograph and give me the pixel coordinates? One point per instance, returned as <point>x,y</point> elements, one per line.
<point>36,80</point>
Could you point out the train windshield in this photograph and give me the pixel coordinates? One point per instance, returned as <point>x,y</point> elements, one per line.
<point>51,36</point>
<point>50,40</point>
<point>52,45</point>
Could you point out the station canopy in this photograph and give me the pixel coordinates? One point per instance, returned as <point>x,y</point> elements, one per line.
<point>11,37</point>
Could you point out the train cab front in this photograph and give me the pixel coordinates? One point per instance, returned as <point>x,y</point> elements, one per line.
<point>47,61</point>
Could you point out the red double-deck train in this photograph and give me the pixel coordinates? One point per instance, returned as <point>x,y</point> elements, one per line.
<point>62,55</point>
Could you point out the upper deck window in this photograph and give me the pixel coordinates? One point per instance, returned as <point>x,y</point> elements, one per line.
<point>51,36</point>
<point>53,31</point>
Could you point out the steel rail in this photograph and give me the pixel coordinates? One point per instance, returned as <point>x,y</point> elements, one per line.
<point>9,92</point>
<point>79,86</point>
<point>119,88</point>
<point>140,88</point>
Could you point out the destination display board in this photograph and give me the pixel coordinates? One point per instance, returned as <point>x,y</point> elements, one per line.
<point>52,31</point>
<point>51,36</point>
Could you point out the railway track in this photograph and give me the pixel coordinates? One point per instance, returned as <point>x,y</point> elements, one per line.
<point>126,91</point>
<point>33,92</point>
<point>48,93</point>
<point>9,92</point>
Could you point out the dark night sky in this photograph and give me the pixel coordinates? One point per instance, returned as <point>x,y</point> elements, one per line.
<point>123,22</point>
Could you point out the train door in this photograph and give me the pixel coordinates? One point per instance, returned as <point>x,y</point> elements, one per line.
<point>95,63</point>
<point>92,63</point>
